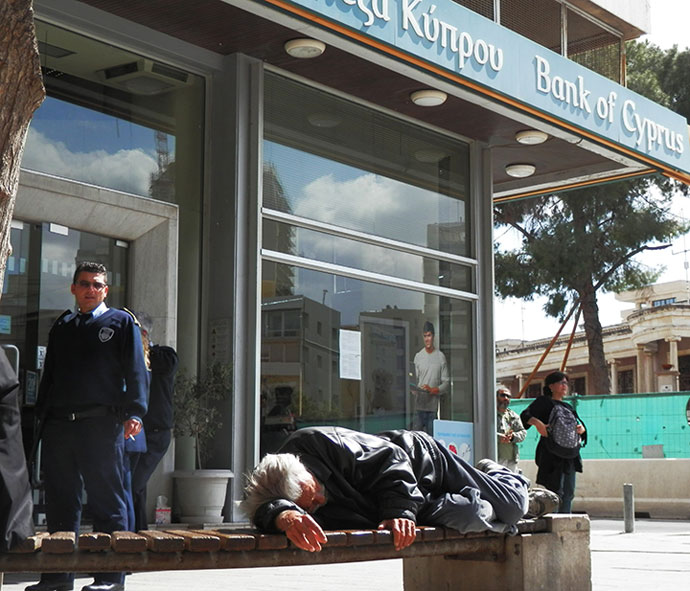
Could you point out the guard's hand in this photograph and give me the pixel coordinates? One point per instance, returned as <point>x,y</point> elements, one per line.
<point>301,530</point>
<point>404,531</point>
<point>132,428</point>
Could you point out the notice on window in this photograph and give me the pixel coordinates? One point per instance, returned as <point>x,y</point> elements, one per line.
<point>350,355</point>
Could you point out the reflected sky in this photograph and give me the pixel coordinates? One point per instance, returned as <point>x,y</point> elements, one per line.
<point>325,190</point>
<point>73,142</point>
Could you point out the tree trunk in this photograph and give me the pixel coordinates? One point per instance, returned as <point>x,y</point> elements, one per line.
<point>601,383</point>
<point>21,93</point>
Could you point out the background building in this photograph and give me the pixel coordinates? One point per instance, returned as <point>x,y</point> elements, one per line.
<point>648,352</point>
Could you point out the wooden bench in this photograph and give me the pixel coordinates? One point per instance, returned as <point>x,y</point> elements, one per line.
<point>500,557</point>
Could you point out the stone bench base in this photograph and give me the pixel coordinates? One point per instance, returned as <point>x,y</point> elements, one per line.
<point>555,560</point>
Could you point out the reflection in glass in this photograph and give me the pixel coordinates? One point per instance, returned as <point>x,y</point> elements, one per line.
<point>115,119</point>
<point>333,249</point>
<point>336,350</point>
<point>367,171</point>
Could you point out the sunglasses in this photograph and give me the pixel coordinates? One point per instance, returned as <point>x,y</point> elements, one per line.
<point>503,395</point>
<point>97,285</point>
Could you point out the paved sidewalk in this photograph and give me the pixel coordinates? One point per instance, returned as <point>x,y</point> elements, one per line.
<point>656,556</point>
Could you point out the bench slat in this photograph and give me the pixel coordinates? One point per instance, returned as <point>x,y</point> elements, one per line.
<point>60,542</point>
<point>336,539</point>
<point>94,542</point>
<point>127,542</point>
<point>234,542</point>
<point>359,537</point>
<point>160,541</point>
<point>197,541</point>
<point>430,534</point>
<point>31,544</point>
<point>271,542</point>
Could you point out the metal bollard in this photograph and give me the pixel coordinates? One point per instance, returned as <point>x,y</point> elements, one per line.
<point>628,508</point>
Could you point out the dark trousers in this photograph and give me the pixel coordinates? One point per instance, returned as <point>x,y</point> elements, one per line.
<point>84,454</point>
<point>157,443</point>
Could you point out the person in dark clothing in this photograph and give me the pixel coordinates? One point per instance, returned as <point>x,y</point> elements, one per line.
<point>158,421</point>
<point>16,506</point>
<point>335,478</point>
<point>91,397</point>
<point>554,472</point>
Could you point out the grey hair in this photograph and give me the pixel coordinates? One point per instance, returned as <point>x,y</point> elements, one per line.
<point>277,476</point>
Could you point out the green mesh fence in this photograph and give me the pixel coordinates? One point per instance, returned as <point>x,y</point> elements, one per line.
<point>626,425</point>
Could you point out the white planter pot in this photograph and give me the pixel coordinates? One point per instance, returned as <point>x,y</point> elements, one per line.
<point>201,494</point>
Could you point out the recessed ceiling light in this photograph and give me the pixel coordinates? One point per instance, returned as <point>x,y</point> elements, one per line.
<point>520,171</point>
<point>428,98</point>
<point>326,120</point>
<point>305,48</point>
<point>430,155</point>
<point>531,137</point>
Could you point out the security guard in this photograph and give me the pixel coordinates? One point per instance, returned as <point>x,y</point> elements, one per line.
<point>92,395</point>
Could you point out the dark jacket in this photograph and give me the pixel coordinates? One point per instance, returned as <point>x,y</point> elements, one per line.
<point>101,363</point>
<point>16,516</point>
<point>368,478</point>
<point>163,369</point>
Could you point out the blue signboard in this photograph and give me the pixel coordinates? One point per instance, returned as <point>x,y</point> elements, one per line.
<point>477,50</point>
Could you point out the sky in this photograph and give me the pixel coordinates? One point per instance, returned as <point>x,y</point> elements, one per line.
<point>515,319</point>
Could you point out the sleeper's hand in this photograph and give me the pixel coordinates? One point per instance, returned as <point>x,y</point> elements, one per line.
<point>301,530</point>
<point>404,531</point>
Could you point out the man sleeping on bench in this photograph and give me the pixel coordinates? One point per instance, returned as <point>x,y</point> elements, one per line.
<point>336,478</point>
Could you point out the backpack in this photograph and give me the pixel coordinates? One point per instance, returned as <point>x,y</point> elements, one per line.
<point>563,441</point>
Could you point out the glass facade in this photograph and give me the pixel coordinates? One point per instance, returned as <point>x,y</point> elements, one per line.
<point>366,237</point>
<point>112,118</point>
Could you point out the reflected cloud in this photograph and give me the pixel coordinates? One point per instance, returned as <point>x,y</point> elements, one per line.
<point>125,170</point>
<point>370,203</point>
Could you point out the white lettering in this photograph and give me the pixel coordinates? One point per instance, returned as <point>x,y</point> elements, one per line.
<point>583,100</point>
<point>481,52</point>
<point>602,108</point>
<point>429,27</point>
<point>464,48</point>
<point>628,111</point>
<point>409,18</point>
<point>381,9</point>
<point>543,80</point>
<point>612,103</point>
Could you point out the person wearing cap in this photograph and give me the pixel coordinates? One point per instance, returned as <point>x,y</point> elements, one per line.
<point>433,381</point>
<point>510,430</point>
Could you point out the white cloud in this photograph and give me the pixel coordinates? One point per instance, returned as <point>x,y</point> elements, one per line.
<point>124,170</point>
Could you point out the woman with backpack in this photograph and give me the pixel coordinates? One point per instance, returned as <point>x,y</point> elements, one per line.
<point>562,435</point>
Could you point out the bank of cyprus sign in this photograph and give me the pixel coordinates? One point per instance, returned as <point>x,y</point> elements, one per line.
<point>454,38</point>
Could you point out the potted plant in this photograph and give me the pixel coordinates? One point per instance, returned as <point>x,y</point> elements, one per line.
<point>200,493</point>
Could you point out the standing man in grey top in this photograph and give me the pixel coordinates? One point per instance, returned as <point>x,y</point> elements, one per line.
<point>510,430</point>
<point>433,381</point>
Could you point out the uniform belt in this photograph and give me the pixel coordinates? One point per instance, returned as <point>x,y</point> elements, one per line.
<point>85,413</point>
